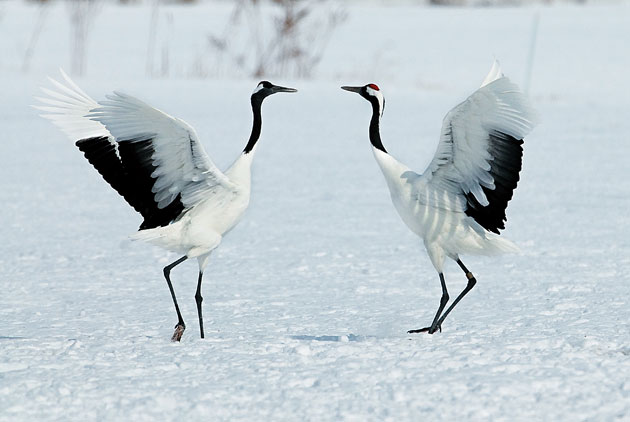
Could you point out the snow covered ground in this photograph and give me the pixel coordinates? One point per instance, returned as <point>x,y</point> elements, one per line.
<point>308,300</point>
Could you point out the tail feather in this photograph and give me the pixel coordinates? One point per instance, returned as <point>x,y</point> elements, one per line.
<point>499,245</point>
<point>148,235</point>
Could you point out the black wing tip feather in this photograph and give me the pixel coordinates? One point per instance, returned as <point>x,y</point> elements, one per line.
<point>507,153</point>
<point>129,173</point>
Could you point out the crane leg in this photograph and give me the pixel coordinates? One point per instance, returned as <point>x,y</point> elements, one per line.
<point>199,299</point>
<point>180,327</point>
<point>471,283</point>
<point>436,324</point>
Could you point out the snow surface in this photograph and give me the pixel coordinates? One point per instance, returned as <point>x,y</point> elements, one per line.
<point>308,300</point>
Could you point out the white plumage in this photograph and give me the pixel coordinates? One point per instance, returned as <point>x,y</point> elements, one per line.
<point>457,206</point>
<point>182,168</point>
<point>156,162</point>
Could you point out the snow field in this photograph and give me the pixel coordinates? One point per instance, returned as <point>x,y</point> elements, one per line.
<point>308,300</point>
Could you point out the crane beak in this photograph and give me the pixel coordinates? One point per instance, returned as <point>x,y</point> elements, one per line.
<point>356,89</point>
<point>277,88</point>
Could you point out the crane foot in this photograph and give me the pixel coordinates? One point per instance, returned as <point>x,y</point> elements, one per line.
<point>179,331</point>
<point>426,330</point>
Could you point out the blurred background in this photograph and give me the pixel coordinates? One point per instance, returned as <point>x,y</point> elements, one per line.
<point>243,38</point>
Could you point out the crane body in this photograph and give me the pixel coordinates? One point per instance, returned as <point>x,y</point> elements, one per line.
<point>457,205</point>
<point>158,165</point>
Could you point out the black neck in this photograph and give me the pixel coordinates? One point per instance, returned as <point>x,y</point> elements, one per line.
<point>256,127</point>
<point>375,134</point>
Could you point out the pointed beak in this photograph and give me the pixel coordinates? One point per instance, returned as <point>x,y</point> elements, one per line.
<point>277,88</point>
<point>356,89</point>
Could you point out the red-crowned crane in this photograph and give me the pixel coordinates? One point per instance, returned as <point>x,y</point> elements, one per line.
<point>157,164</point>
<point>457,206</point>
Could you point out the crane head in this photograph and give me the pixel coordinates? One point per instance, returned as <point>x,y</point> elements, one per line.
<point>266,88</point>
<point>370,92</point>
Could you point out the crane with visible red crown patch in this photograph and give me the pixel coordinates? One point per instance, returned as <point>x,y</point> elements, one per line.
<point>457,206</point>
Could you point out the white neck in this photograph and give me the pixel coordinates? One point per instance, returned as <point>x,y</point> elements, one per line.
<point>392,169</point>
<point>240,171</point>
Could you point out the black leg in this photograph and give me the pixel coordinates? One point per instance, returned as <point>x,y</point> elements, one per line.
<point>180,327</point>
<point>471,283</point>
<point>199,299</point>
<point>435,325</point>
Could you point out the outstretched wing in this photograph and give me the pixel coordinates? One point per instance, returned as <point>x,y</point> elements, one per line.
<point>150,158</point>
<point>479,155</point>
<point>178,161</point>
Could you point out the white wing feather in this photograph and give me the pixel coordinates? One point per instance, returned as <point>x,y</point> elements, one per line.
<point>494,74</point>
<point>462,160</point>
<point>67,108</point>
<point>182,165</point>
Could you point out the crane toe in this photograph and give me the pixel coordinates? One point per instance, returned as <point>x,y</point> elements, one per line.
<point>429,330</point>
